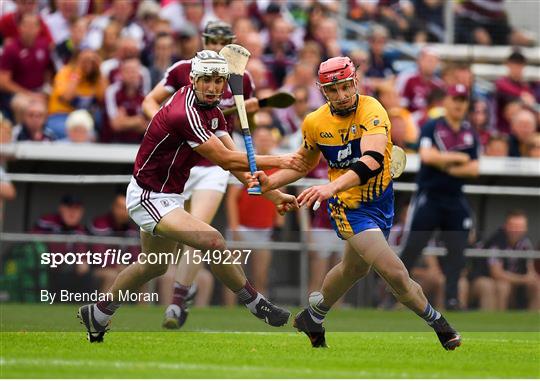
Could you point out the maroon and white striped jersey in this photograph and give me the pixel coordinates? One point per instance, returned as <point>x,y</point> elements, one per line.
<point>177,76</point>
<point>166,154</point>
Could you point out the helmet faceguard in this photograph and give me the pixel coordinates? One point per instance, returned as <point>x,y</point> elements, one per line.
<point>218,30</point>
<point>333,72</point>
<point>208,63</point>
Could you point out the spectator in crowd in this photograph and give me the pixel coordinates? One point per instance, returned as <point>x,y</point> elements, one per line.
<point>311,54</point>
<point>280,52</point>
<point>510,88</point>
<point>70,48</point>
<point>78,85</point>
<point>253,227</point>
<point>188,42</point>
<point>115,223</point>
<point>533,146</point>
<point>243,27</point>
<point>481,121</point>
<point>7,190</point>
<point>448,149</point>
<point>33,123</point>
<point>522,128</point>
<point>396,16</point>
<point>428,23</point>
<point>67,220</point>
<point>262,76</point>
<point>326,35</point>
<point>497,146</point>
<point>109,45</point>
<point>416,87</point>
<point>486,23</point>
<point>10,22</point>
<point>404,129</point>
<point>381,65</point>
<point>434,108</point>
<point>162,57</point>
<point>496,282</point>
<point>80,127</point>
<point>125,122</point>
<point>252,42</point>
<point>18,104</point>
<point>127,48</point>
<point>121,11</point>
<point>303,74</point>
<point>25,63</point>
<point>59,22</point>
<point>291,118</point>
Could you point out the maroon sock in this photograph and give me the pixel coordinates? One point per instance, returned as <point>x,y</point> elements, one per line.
<point>179,294</point>
<point>107,307</point>
<point>247,294</point>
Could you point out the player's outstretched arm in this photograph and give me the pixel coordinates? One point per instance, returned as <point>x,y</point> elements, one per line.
<point>370,164</point>
<point>215,151</point>
<point>310,159</point>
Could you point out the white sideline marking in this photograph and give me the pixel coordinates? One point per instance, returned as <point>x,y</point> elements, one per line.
<point>185,366</point>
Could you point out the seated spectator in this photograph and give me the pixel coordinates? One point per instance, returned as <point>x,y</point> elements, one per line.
<point>533,146</point>
<point>510,88</point>
<point>10,22</point>
<point>415,87</point>
<point>481,121</point>
<point>500,283</point>
<point>303,74</point>
<point>280,52</point>
<point>127,49</point>
<point>67,50</point>
<point>243,27</point>
<point>428,24</point>
<point>291,118</point>
<point>380,63</point>
<point>109,45</point>
<point>125,121</point>
<point>522,128</point>
<point>311,54</point>
<point>79,85</point>
<point>18,104</point>
<point>67,220</point>
<point>396,16</point>
<point>121,11</point>
<point>162,57</point>
<point>188,42</point>
<point>253,227</point>
<point>252,42</point>
<point>262,77</point>
<point>25,62</point>
<point>80,127</point>
<point>7,190</point>
<point>434,108</point>
<point>326,35</point>
<point>486,23</point>
<point>405,131</point>
<point>59,22</point>
<point>497,146</point>
<point>33,127</point>
<point>115,223</point>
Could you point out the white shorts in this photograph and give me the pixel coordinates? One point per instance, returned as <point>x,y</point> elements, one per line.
<point>255,234</point>
<point>207,178</point>
<point>326,241</point>
<point>147,208</point>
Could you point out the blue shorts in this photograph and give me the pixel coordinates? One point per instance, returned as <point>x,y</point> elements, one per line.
<point>378,213</point>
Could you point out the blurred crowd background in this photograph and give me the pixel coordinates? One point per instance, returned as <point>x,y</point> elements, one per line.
<point>78,71</point>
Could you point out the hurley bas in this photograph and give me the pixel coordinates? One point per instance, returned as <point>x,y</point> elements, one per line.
<point>96,296</point>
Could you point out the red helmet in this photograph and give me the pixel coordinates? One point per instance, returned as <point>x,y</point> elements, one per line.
<point>335,70</point>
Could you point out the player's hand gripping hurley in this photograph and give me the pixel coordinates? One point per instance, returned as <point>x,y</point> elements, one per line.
<point>237,57</point>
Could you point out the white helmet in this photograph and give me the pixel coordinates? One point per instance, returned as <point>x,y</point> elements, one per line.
<point>208,62</point>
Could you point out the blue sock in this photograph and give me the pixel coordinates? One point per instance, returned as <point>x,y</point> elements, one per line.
<point>430,314</point>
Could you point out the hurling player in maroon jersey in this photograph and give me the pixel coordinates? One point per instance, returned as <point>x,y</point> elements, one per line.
<point>188,126</point>
<point>207,182</point>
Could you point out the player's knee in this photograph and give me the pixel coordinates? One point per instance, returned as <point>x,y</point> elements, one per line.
<point>155,270</point>
<point>400,281</point>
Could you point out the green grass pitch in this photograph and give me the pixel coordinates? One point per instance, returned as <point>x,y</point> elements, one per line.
<point>40,341</point>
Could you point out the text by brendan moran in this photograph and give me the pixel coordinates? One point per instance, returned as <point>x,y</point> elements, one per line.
<point>67,296</point>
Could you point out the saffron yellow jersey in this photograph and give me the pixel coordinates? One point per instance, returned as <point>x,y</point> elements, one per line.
<point>338,138</point>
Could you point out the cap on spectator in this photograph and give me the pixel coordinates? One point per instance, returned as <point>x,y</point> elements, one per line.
<point>71,200</point>
<point>458,91</point>
<point>188,30</point>
<point>147,9</point>
<point>517,57</point>
<point>273,8</point>
<point>80,118</point>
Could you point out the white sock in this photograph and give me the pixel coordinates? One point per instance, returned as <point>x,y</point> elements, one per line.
<point>101,317</point>
<point>252,306</point>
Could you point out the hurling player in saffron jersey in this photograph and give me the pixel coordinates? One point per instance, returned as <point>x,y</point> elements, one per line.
<point>352,131</point>
<point>188,126</point>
